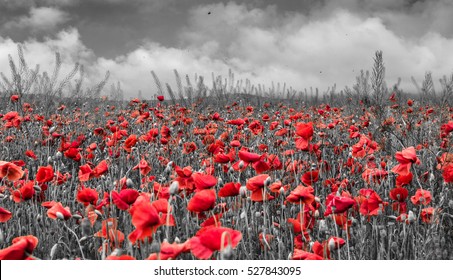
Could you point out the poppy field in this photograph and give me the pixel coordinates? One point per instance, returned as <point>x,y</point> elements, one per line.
<point>158,180</point>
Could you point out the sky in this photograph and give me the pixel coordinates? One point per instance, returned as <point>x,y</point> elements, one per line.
<point>302,43</point>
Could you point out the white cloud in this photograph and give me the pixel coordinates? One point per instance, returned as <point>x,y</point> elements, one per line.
<point>39,19</point>
<point>259,44</point>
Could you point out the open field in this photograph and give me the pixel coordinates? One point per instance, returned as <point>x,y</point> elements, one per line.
<point>230,171</point>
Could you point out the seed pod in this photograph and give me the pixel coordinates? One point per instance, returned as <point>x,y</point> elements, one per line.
<point>227,253</point>
<point>174,188</point>
<point>53,251</point>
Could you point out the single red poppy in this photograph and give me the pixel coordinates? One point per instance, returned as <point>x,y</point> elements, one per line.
<point>256,186</point>
<point>230,189</point>
<point>25,192</point>
<point>160,98</point>
<point>302,194</point>
<point>125,198</point>
<point>143,166</point>
<point>87,196</point>
<point>10,171</point>
<point>203,181</point>
<point>58,211</point>
<point>5,215</point>
<point>203,245</point>
<point>338,204</point>
<point>422,197</point>
<point>45,174</point>
<point>22,247</point>
<point>447,173</point>
<point>247,156</point>
<point>203,200</point>
<point>145,219</point>
<point>304,255</point>
<point>371,204</point>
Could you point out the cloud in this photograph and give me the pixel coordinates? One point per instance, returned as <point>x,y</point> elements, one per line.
<point>39,19</point>
<point>260,44</point>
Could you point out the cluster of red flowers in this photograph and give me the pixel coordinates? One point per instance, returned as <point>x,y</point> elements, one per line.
<point>217,178</point>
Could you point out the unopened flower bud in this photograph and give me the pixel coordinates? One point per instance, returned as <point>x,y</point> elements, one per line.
<point>174,188</point>
<point>129,183</point>
<point>60,215</point>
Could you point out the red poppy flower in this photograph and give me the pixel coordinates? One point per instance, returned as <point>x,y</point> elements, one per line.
<point>204,181</point>
<point>374,175</point>
<point>10,171</point>
<point>5,215</point>
<point>101,169</point>
<point>405,159</point>
<point>203,245</point>
<point>110,231</point>
<point>25,192</point>
<point>310,177</point>
<point>302,194</point>
<point>160,98</point>
<point>57,211</point>
<point>304,255</point>
<point>125,198</point>
<point>189,147</point>
<point>44,174</point>
<point>130,142</point>
<point>203,200</point>
<point>170,251</point>
<point>22,247</point>
<point>421,197</point>
<point>447,173</point>
<point>256,185</point>
<point>338,204</point>
<point>145,218</point>
<point>427,214</point>
<point>87,196</point>
<point>30,154</point>
<point>230,189</point>
<point>120,258</point>
<point>85,173</point>
<point>403,180</point>
<point>371,203</point>
<point>305,130</point>
<point>143,166</point>
<point>248,156</point>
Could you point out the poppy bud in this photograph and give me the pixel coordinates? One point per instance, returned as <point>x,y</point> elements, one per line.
<point>60,215</point>
<point>77,216</point>
<point>317,199</point>
<point>52,129</point>
<point>243,191</point>
<point>243,215</point>
<point>86,227</point>
<point>2,237</point>
<point>411,217</point>
<point>450,204</point>
<point>174,188</point>
<point>241,164</point>
<point>227,253</point>
<point>220,182</point>
<point>58,155</point>
<point>331,244</point>
<point>282,190</point>
<point>177,240</point>
<point>155,247</point>
<point>129,183</point>
<point>98,212</point>
<point>49,159</point>
<point>37,188</point>
<point>53,251</point>
<point>316,214</point>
